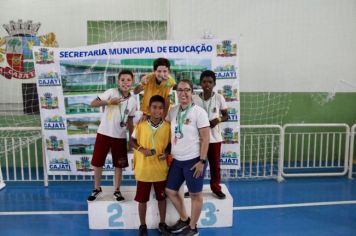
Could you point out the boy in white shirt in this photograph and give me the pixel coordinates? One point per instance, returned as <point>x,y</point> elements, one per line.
<point>119,109</point>
<point>215,105</point>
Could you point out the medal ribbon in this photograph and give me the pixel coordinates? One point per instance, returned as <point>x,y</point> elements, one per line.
<point>122,116</point>
<point>153,134</point>
<point>207,109</point>
<point>180,121</point>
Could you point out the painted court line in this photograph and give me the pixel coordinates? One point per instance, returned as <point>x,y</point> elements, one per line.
<point>308,204</point>
<point>43,213</point>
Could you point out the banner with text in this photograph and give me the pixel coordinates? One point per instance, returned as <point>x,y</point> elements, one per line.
<point>69,79</point>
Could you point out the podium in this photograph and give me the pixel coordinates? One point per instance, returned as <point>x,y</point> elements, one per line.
<point>107,213</point>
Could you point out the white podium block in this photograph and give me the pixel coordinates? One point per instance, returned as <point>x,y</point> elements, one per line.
<point>215,212</point>
<point>107,213</point>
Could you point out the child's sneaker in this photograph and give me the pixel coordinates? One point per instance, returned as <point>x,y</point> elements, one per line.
<point>189,232</point>
<point>163,229</point>
<point>95,194</point>
<point>179,226</point>
<point>118,196</point>
<point>142,231</point>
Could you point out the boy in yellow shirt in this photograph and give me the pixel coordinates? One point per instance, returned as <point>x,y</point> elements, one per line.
<point>151,142</point>
<point>160,82</point>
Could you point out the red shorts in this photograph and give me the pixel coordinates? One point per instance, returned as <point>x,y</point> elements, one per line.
<point>143,191</point>
<point>102,146</point>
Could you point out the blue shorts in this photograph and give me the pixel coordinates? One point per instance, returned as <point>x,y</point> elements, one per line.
<point>180,171</point>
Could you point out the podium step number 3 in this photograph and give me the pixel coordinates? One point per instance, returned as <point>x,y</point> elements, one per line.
<point>107,213</point>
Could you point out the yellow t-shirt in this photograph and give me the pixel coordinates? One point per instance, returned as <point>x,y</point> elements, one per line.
<point>152,88</point>
<point>151,169</point>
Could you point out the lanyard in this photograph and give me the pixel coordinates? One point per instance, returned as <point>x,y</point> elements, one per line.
<point>123,114</point>
<point>207,109</point>
<point>180,121</point>
<point>150,124</point>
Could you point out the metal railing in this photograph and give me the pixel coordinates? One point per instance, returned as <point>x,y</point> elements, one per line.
<point>315,150</point>
<point>352,144</point>
<point>266,151</point>
<point>21,155</point>
<point>261,147</point>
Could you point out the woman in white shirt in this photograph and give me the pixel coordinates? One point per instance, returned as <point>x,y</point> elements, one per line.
<point>190,131</point>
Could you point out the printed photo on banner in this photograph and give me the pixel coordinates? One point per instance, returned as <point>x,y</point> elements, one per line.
<point>82,76</point>
<point>81,146</point>
<point>82,125</point>
<point>80,105</point>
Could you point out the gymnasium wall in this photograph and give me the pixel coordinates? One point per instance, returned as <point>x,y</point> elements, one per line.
<point>301,52</point>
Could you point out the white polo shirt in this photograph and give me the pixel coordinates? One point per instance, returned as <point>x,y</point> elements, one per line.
<point>188,147</point>
<point>111,118</point>
<point>218,103</point>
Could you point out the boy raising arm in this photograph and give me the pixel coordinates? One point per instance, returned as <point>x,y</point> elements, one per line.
<point>119,109</point>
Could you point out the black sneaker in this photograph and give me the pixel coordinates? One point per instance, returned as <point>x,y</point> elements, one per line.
<point>189,232</point>
<point>163,229</point>
<point>142,231</point>
<point>220,195</point>
<point>186,195</point>
<point>179,226</point>
<point>95,194</point>
<point>118,197</point>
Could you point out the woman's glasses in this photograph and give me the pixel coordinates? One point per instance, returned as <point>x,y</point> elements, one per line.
<point>186,90</point>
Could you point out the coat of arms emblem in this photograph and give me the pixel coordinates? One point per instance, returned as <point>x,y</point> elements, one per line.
<point>16,48</point>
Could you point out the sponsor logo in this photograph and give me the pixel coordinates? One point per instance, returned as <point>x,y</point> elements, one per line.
<point>230,136</point>
<point>54,144</point>
<point>49,79</point>
<point>59,164</point>
<point>48,101</point>
<point>54,123</point>
<point>226,49</point>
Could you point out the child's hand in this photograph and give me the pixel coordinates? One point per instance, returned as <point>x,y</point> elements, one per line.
<point>115,101</point>
<point>214,122</point>
<point>162,156</point>
<point>166,77</point>
<point>144,80</point>
<point>143,118</point>
<point>146,152</point>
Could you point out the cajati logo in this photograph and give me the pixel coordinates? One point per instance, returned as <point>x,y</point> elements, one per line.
<point>16,48</point>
